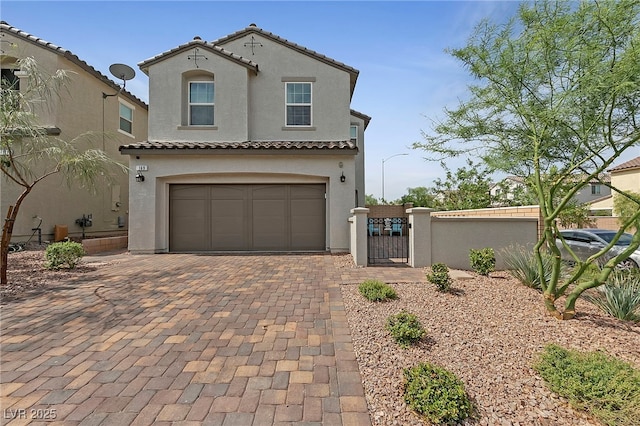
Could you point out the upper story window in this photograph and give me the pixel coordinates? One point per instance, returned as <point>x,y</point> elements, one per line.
<point>354,133</point>
<point>201,103</point>
<point>298,103</point>
<point>126,118</point>
<point>595,189</point>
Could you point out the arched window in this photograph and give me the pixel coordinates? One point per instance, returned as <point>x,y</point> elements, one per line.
<point>199,98</point>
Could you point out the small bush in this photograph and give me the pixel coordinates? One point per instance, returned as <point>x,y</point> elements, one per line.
<point>405,328</point>
<point>523,266</point>
<point>440,276</point>
<point>483,261</point>
<point>376,291</point>
<point>436,394</point>
<point>620,296</point>
<point>63,253</point>
<point>595,382</point>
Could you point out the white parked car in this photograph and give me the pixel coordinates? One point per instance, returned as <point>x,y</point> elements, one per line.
<point>587,242</point>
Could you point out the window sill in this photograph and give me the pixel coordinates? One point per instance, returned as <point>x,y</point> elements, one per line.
<point>126,133</point>
<point>302,128</point>
<point>197,127</point>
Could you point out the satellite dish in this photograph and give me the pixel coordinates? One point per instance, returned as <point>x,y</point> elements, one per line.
<point>122,71</point>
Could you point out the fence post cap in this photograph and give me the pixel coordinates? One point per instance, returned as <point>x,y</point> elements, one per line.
<point>359,210</point>
<point>420,210</point>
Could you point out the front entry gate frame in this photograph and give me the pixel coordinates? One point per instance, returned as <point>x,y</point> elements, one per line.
<point>387,241</point>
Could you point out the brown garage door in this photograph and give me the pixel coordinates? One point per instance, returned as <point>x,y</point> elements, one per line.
<point>246,217</point>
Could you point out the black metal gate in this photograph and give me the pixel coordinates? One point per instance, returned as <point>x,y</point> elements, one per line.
<point>388,241</point>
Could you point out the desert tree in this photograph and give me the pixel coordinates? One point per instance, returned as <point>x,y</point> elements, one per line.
<point>28,155</point>
<point>419,196</point>
<point>556,99</point>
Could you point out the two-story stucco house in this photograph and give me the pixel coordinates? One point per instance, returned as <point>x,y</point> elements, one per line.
<point>625,177</point>
<point>91,103</point>
<point>252,146</point>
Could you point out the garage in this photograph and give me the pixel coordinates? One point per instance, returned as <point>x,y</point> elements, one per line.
<point>285,217</point>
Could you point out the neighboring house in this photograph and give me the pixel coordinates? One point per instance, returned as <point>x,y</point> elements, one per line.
<point>252,146</point>
<point>626,177</point>
<point>506,190</point>
<point>594,190</point>
<point>81,107</point>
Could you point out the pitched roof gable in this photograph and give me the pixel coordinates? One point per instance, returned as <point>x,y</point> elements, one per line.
<point>251,29</point>
<point>363,117</point>
<point>4,26</point>
<point>631,164</point>
<point>197,42</point>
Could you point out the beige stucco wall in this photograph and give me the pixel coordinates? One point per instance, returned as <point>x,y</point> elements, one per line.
<point>77,110</point>
<point>249,106</point>
<point>625,180</point>
<point>149,215</point>
<point>167,95</point>
<point>330,92</point>
<point>453,237</point>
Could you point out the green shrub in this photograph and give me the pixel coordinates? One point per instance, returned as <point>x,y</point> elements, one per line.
<point>620,296</point>
<point>405,328</point>
<point>440,276</point>
<point>376,291</point>
<point>483,261</point>
<point>63,253</point>
<point>523,266</point>
<point>436,394</point>
<point>595,382</point>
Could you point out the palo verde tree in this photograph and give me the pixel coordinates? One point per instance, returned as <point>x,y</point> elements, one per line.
<point>28,155</point>
<point>556,99</point>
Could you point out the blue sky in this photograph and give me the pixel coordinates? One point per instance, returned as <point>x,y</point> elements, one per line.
<point>405,78</point>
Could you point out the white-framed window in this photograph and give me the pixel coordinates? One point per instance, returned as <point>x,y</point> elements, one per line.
<point>595,189</point>
<point>298,104</point>
<point>126,118</point>
<point>201,103</point>
<point>353,133</point>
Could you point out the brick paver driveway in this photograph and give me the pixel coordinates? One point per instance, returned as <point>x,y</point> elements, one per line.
<point>185,339</point>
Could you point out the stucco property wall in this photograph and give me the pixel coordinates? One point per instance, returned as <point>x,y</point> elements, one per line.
<point>453,237</point>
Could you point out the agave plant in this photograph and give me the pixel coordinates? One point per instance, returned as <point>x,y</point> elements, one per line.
<point>522,265</point>
<point>620,296</point>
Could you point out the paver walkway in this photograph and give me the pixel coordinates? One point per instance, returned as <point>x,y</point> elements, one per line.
<point>188,339</point>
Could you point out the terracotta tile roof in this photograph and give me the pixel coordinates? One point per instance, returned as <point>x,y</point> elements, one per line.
<point>241,146</point>
<point>197,42</point>
<point>4,26</point>
<point>631,164</point>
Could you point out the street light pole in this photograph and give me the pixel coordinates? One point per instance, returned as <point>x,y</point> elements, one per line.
<point>383,161</point>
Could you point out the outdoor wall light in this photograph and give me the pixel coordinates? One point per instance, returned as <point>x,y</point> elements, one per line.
<point>139,177</point>
<point>343,178</point>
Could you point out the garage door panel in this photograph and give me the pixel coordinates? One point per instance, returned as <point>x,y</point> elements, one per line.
<point>180,192</point>
<point>269,223</point>
<point>188,225</point>
<point>228,225</point>
<point>308,224</point>
<point>307,191</point>
<point>227,192</point>
<point>269,192</point>
<point>247,217</point>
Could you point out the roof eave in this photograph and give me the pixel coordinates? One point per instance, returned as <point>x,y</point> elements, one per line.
<point>144,65</point>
